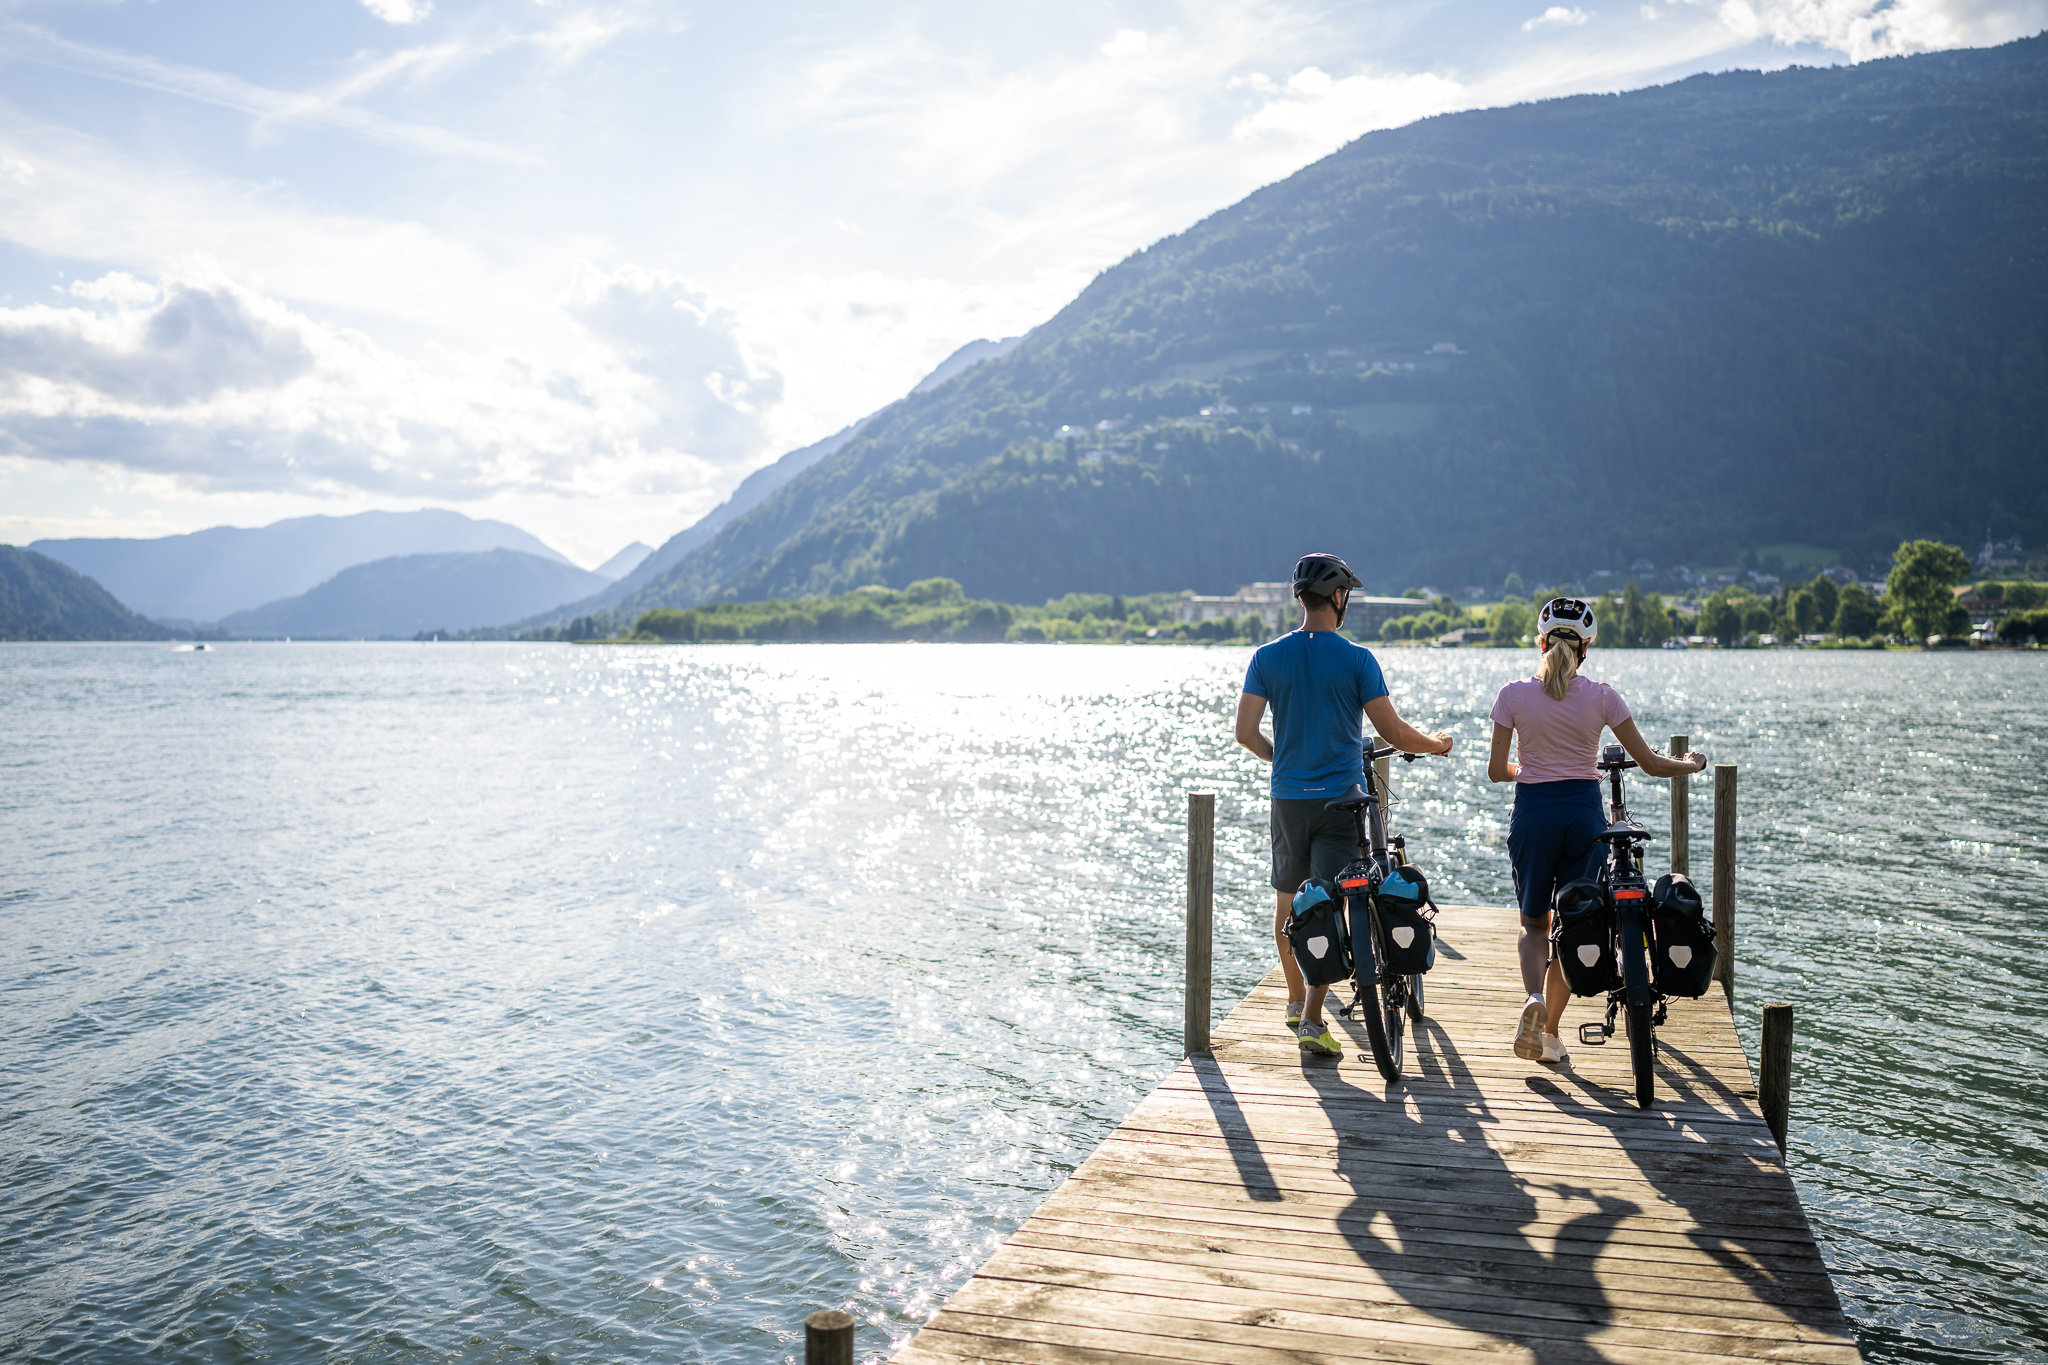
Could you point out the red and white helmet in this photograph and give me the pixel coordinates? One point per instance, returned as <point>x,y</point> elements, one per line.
<point>1567,614</point>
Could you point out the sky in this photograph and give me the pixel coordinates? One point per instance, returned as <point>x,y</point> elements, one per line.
<point>583,266</point>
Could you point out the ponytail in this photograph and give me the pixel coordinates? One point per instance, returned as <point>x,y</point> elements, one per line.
<point>1560,663</point>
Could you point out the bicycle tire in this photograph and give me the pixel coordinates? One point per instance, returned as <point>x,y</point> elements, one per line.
<point>1383,1024</point>
<point>1642,1054</point>
<point>1415,998</point>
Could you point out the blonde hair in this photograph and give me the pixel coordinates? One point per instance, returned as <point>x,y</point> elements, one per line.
<point>1560,662</point>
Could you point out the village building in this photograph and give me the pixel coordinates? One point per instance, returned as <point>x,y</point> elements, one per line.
<point>1274,604</point>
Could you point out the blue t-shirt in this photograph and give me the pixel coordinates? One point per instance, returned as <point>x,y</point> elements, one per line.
<point>1317,684</point>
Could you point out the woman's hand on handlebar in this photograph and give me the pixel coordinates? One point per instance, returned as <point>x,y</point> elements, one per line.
<point>1698,761</point>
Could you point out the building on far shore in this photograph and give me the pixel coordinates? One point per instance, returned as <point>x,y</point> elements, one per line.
<point>1274,604</point>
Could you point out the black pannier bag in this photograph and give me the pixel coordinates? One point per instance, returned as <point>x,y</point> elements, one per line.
<point>1405,913</point>
<point>1683,959</point>
<point>1316,933</point>
<point>1582,938</point>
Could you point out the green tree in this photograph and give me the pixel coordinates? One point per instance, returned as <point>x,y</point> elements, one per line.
<point>1721,615</point>
<point>1511,586</point>
<point>1921,586</point>
<point>1802,611</point>
<point>1827,597</point>
<point>1856,613</point>
<point>1510,621</point>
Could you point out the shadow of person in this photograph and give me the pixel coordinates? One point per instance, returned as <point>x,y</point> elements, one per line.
<point>1720,1178</point>
<point>1440,1217</point>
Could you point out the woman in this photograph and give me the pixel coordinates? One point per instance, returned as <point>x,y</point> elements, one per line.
<point>1555,719</point>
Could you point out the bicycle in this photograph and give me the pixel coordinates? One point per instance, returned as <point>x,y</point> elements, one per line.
<point>1627,892</point>
<point>1381,996</point>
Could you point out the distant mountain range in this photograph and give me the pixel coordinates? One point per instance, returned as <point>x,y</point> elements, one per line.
<point>1800,306</point>
<point>42,599</point>
<point>405,595</point>
<point>210,574</point>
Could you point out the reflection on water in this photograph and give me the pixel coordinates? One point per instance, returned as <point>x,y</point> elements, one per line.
<point>497,1002</point>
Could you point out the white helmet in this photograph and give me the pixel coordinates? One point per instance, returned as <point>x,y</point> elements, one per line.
<point>1567,614</point>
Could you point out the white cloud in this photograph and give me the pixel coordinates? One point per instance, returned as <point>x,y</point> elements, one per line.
<point>1557,16</point>
<point>1327,112</point>
<point>399,11</point>
<point>218,387</point>
<point>1128,42</point>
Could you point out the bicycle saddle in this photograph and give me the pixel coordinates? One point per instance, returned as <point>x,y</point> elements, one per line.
<point>1628,829</point>
<point>1351,800</point>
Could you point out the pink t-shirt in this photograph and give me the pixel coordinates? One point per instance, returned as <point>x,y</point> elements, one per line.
<point>1558,741</point>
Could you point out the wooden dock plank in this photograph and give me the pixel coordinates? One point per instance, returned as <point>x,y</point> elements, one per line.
<point>1264,1208</point>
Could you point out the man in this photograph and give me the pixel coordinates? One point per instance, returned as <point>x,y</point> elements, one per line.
<point>1318,684</point>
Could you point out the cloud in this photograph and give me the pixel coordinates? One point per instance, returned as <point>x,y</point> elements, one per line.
<point>1865,29</point>
<point>1557,16</point>
<point>219,387</point>
<point>399,11</point>
<point>269,106</point>
<point>1320,109</point>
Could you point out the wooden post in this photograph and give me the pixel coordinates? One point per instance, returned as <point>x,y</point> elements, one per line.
<point>1681,810</point>
<point>1724,876</point>
<point>828,1338</point>
<point>1201,918</point>
<point>1774,1071</point>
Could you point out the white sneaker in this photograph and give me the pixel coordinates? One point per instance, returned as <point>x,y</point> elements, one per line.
<point>1553,1049</point>
<point>1529,1033</point>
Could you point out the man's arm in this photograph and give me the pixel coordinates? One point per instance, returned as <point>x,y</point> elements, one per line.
<point>1388,725</point>
<point>1251,709</point>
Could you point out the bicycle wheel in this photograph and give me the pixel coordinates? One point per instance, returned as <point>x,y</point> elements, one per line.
<point>1642,1054</point>
<point>1415,998</point>
<point>1385,1030</point>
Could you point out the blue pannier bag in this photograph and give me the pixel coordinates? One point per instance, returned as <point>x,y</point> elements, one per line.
<point>1316,933</point>
<point>1405,913</point>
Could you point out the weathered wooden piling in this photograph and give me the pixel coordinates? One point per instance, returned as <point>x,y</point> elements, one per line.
<point>828,1338</point>
<point>1724,877</point>
<point>1201,922</point>
<point>1774,1071</point>
<point>1681,810</point>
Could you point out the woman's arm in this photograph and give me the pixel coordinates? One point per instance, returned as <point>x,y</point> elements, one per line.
<point>1653,763</point>
<point>1388,725</point>
<point>1250,710</point>
<point>1498,768</point>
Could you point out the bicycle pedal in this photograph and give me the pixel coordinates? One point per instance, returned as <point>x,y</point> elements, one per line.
<point>1593,1035</point>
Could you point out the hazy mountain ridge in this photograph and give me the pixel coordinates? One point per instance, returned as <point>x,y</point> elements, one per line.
<point>1804,305</point>
<point>404,595</point>
<point>206,575</point>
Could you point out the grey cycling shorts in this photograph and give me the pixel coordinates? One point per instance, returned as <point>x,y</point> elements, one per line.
<point>1309,841</point>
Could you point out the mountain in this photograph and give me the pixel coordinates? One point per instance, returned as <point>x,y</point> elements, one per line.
<point>624,562</point>
<point>756,488</point>
<point>208,574</point>
<point>407,594</point>
<point>1803,306</point>
<point>42,599</point>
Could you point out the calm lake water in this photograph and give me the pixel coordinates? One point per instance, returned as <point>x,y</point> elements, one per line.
<point>477,1003</point>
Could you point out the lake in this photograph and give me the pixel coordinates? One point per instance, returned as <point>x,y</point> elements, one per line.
<point>404,1002</point>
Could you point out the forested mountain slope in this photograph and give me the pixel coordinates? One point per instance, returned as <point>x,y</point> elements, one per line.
<point>1808,305</point>
<point>43,599</point>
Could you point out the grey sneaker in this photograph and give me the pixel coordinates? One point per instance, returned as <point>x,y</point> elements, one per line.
<point>1529,1034</point>
<point>1294,1008</point>
<point>1317,1040</point>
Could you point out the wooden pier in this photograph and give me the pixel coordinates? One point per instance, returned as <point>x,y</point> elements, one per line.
<point>1266,1208</point>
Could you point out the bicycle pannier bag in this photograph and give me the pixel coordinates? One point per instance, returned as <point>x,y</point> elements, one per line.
<point>1582,938</point>
<point>1683,958</point>
<point>1316,933</point>
<point>1405,913</point>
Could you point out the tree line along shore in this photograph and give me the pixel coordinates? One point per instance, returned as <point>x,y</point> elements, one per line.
<point>1922,600</point>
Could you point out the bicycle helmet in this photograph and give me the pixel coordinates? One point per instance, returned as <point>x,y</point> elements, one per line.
<point>1323,573</point>
<point>1567,615</point>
